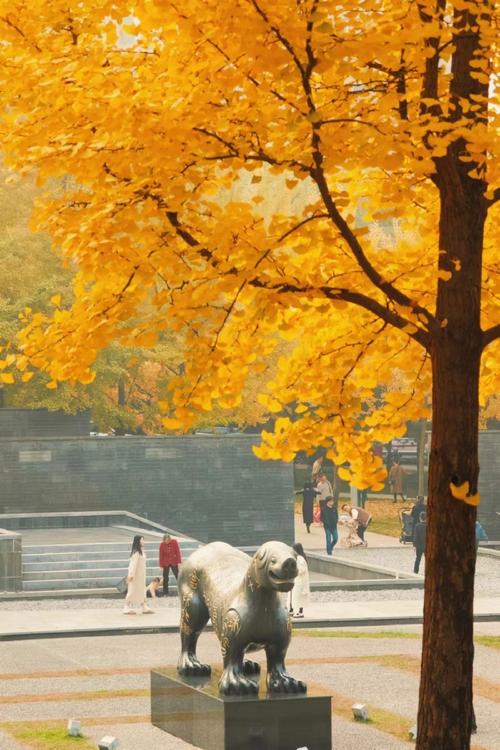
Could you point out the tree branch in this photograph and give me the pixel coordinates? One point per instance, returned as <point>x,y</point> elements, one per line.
<point>495,199</point>
<point>420,335</point>
<point>490,335</point>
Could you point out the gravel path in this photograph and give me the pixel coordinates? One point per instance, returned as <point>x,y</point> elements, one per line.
<point>395,558</point>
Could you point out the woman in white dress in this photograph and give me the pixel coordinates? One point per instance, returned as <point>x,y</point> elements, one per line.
<point>298,597</point>
<point>136,578</point>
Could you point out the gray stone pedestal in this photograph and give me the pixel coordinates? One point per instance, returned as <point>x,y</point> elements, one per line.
<point>192,709</point>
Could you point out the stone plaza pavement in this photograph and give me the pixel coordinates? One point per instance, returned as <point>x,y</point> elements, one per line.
<point>45,623</point>
<point>104,682</point>
<point>99,671</point>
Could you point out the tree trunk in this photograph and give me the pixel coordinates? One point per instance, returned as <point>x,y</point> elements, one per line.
<point>445,707</point>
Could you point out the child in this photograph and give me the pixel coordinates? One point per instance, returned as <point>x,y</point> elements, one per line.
<point>153,587</point>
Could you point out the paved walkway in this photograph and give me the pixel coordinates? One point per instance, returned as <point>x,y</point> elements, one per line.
<point>104,682</point>
<point>315,541</point>
<point>28,623</point>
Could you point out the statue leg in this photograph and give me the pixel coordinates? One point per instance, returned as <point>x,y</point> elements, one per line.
<point>233,680</point>
<point>194,617</point>
<point>278,679</point>
<point>251,667</point>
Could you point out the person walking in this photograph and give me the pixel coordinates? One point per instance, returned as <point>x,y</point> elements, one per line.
<point>298,597</point>
<point>481,535</point>
<point>361,516</point>
<point>362,497</point>
<point>417,509</point>
<point>169,558</point>
<point>419,538</point>
<point>324,488</point>
<point>330,518</point>
<point>136,579</point>
<point>308,494</point>
<point>317,469</point>
<point>396,480</point>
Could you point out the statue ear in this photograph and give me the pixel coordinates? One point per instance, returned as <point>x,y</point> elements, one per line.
<point>260,557</point>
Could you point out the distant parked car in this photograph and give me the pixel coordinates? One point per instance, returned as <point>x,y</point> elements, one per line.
<point>406,449</point>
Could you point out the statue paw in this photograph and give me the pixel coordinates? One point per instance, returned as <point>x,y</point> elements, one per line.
<point>281,682</point>
<point>189,666</point>
<point>233,682</point>
<point>251,667</point>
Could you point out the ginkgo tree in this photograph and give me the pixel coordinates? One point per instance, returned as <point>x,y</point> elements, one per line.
<point>319,171</point>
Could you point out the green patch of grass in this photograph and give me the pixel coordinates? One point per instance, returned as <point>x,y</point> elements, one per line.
<point>387,526</point>
<point>391,723</point>
<point>48,737</point>
<point>385,721</point>
<point>493,641</point>
<point>355,634</point>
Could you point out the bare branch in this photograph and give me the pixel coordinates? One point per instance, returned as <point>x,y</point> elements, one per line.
<point>490,335</point>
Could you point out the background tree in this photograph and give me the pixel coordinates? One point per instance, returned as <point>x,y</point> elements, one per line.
<point>379,111</point>
<point>129,381</point>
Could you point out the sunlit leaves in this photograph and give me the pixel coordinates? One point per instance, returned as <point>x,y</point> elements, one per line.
<point>189,156</point>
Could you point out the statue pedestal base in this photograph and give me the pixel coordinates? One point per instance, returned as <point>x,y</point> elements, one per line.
<point>192,709</point>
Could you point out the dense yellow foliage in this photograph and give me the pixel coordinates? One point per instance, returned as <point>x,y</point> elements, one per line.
<point>226,159</point>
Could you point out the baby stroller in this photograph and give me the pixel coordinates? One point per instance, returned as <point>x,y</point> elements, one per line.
<point>406,536</point>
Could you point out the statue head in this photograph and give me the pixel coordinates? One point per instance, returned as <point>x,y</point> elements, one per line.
<point>274,566</point>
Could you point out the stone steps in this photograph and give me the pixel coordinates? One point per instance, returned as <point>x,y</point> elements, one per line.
<point>73,564</point>
<point>89,565</point>
<point>60,584</point>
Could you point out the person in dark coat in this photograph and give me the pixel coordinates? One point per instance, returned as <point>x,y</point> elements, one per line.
<point>419,537</point>
<point>417,509</point>
<point>330,518</point>
<point>308,496</point>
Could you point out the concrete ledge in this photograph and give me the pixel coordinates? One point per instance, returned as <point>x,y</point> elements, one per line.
<point>338,567</point>
<point>378,584</point>
<point>70,520</point>
<point>490,551</point>
<point>72,623</point>
<point>303,624</point>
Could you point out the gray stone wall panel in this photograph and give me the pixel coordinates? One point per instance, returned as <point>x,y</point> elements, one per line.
<point>207,487</point>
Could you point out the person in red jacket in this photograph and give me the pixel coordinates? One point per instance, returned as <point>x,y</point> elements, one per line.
<point>170,557</point>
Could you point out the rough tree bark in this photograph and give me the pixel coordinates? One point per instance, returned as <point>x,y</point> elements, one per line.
<point>444,721</point>
<point>445,707</point>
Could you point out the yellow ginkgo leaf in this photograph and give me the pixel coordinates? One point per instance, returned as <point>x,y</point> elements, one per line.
<point>473,499</point>
<point>171,424</point>
<point>7,377</point>
<point>344,474</point>
<point>56,300</point>
<point>459,491</point>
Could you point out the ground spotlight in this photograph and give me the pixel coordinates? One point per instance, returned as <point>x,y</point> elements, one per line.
<point>74,728</point>
<point>360,712</point>
<point>108,743</point>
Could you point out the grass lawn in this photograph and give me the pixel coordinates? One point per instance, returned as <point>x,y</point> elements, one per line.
<point>46,736</point>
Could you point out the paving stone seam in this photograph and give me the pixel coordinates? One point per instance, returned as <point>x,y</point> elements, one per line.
<point>404,662</point>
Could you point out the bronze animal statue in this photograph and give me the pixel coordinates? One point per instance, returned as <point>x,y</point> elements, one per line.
<point>241,597</point>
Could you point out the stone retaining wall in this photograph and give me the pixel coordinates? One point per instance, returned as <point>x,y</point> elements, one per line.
<point>209,487</point>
